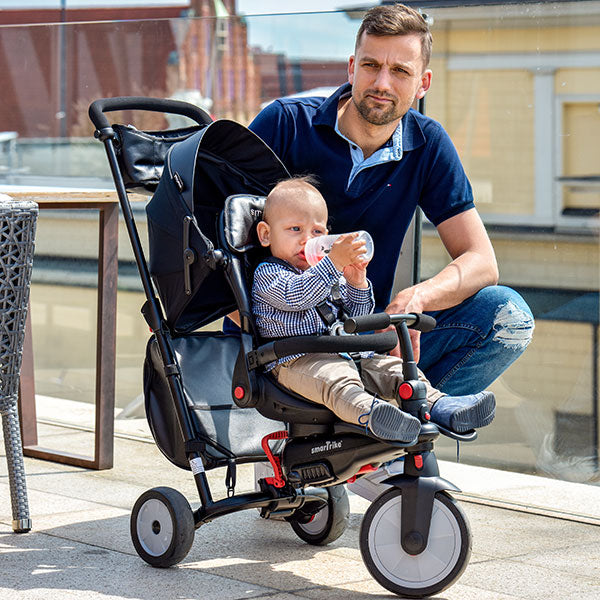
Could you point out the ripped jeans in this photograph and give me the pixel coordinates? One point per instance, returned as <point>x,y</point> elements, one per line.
<point>476,341</point>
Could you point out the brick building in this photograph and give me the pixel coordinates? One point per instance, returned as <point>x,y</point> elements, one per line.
<point>280,76</point>
<point>51,69</point>
<point>54,62</point>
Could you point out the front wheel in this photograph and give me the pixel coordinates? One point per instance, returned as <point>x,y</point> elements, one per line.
<point>328,524</point>
<point>162,526</point>
<point>433,570</point>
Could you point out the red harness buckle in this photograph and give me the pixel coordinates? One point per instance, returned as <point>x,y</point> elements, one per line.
<point>278,481</point>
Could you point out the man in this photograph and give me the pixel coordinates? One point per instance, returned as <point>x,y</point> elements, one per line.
<point>376,160</point>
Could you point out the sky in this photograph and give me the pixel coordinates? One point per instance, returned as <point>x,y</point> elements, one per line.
<point>322,31</point>
<point>329,35</point>
<point>257,7</point>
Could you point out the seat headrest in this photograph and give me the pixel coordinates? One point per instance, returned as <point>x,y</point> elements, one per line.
<point>241,212</point>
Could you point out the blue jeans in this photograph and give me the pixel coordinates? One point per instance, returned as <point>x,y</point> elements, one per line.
<point>476,341</point>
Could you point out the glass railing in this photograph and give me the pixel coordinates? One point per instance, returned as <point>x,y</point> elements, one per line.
<point>516,86</point>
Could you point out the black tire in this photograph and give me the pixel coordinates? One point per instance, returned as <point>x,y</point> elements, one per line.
<point>443,560</point>
<point>329,523</point>
<point>162,527</point>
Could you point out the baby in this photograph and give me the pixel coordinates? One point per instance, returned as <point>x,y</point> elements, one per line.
<point>289,298</point>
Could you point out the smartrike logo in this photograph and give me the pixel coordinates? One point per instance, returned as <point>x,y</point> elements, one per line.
<point>326,447</point>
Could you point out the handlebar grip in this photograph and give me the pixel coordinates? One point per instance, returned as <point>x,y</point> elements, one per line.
<point>367,322</point>
<point>424,323</point>
<point>176,107</point>
<point>418,321</point>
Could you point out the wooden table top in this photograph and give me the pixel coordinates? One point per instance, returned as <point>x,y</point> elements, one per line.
<point>60,199</point>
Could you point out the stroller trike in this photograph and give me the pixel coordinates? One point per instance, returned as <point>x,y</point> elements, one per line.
<point>208,402</point>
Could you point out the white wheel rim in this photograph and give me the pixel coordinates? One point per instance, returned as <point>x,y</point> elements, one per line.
<point>317,524</point>
<point>425,569</point>
<point>154,527</point>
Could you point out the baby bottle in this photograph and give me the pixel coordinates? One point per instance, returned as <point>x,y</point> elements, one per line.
<point>316,248</point>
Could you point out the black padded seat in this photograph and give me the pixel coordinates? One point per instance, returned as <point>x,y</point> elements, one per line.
<point>280,404</point>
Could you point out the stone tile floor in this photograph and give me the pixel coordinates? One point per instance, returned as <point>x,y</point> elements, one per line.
<point>533,538</point>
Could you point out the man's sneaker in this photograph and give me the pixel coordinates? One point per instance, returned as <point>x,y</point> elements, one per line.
<point>369,486</point>
<point>463,413</point>
<point>388,422</point>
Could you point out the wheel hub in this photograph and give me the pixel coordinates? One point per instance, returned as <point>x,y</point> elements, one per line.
<point>413,543</point>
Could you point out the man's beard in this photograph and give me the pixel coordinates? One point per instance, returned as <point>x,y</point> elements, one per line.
<point>377,116</point>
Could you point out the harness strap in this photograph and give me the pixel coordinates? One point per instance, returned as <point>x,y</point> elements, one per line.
<point>328,316</point>
<point>230,477</point>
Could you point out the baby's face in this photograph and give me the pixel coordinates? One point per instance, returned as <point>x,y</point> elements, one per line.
<point>291,223</point>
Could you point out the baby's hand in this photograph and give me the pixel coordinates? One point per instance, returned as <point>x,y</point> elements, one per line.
<point>356,275</point>
<point>347,250</point>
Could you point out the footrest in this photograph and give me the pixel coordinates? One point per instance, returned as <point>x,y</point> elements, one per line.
<point>469,436</point>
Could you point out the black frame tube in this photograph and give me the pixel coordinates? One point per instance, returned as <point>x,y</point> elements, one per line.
<point>155,317</point>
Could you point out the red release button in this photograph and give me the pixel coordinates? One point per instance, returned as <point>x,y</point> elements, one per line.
<point>418,461</point>
<point>405,392</point>
<point>239,392</point>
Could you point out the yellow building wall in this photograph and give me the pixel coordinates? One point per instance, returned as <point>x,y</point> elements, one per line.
<point>530,261</point>
<point>556,369</point>
<point>543,39</point>
<point>489,116</point>
<point>577,81</point>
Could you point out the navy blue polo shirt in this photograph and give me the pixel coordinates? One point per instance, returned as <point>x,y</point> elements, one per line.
<point>381,198</point>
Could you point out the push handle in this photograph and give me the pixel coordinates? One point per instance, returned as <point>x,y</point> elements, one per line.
<point>176,107</point>
<point>418,321</point>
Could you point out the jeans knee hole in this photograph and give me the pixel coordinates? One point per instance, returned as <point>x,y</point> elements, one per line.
<point>513,326</point>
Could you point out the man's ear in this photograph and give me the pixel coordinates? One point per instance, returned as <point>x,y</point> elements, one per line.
<point>351,70</point>
<point>425,84</point>
<point>262,231</point>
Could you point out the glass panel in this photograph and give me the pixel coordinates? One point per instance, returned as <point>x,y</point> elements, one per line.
<point>517,86</point>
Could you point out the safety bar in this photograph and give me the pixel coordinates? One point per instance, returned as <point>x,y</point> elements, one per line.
<point>376,342</point>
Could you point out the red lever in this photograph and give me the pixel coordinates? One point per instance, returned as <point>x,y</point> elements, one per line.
<point>405,391</point>
<point>278,481</point>
<point>368,468</point>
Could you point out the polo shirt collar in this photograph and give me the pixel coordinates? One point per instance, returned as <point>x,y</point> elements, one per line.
<point>412,134</point>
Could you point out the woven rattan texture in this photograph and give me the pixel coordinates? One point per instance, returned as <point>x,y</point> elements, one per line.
<point>17,234</point>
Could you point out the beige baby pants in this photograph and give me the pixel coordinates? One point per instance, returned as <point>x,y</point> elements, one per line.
<point>334,381</point>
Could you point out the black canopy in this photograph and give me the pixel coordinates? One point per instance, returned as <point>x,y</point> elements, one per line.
<point>220,160</point>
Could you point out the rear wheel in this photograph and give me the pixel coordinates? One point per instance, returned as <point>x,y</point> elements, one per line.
<point>328,524</point>
<point>433,570</point>
<point>162,526</point>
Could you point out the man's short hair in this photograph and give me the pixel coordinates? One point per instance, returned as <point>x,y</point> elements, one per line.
<point>397,19</point>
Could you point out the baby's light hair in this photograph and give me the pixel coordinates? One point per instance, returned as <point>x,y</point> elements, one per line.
<point>297,182</point>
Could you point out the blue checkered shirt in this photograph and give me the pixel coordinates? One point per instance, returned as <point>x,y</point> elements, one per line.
<point>284,299</point>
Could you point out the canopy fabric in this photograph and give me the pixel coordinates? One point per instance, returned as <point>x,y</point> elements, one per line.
<point>222,159</point>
